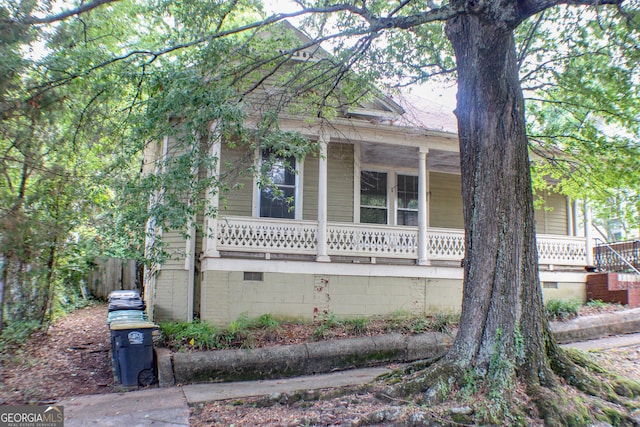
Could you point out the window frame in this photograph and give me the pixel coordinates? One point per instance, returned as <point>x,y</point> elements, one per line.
<point>387,206</point>
<point>297,186</point>
<point>397,199</point>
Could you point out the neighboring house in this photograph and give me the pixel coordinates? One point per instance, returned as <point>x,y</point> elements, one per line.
<point>370,227</point>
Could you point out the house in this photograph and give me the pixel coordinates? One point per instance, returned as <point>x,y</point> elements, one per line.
<point>371,226</point>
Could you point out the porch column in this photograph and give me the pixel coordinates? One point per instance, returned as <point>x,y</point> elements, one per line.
<point>322,201</point>
<point>210,241</point>
<point>570,216</point>
<point>587,233</point>
<point>423,209</point>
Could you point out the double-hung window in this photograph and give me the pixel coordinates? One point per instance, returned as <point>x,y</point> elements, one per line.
<point>407,200</point>
<point>373,197</point>
<point>278,186</point>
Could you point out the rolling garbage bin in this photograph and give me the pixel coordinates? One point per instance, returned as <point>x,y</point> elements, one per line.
<point>132,352</point>
<point>126,315</point>
<point>124,294</point>
<point>126,304</point>
<point>135,303</point>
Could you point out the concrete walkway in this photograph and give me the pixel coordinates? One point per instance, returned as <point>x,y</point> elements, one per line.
<point>169,406</point>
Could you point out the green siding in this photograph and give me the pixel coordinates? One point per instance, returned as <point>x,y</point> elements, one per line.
<point>339,184</point>
<point>551,217</point>
<point>310,189</point>
<point>445,207</point>
<point>235,165</point>
<point>175,245</point>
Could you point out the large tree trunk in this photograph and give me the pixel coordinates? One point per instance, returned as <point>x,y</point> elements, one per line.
<point>503,331</point>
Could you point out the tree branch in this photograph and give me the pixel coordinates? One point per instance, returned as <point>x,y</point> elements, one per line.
<point>34,20</point>
<point>529,8</point>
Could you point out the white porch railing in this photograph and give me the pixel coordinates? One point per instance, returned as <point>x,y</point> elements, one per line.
<point>246,234</point>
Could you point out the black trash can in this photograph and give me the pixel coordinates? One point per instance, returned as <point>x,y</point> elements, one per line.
<point>132,352</point>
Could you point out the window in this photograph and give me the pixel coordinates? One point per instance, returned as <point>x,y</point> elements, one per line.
<point>278,186</point>
<point>407,210</point>
<point>373,197</point>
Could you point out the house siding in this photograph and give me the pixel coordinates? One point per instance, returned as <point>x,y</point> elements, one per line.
<point>234,169</point>
<point>445,201</point>
<point>310,189</point>
<point>551,217</point>
<point>175,245</point>
<point>171,295</point>
<point>339,184</point>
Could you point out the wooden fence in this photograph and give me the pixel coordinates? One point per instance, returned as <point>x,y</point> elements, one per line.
<point>112,274</point>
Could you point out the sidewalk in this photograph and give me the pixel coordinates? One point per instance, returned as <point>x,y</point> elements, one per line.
<point>164,407</point>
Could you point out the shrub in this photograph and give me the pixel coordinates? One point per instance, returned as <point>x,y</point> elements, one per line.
<point>17,332</point>
<point>597,303</point>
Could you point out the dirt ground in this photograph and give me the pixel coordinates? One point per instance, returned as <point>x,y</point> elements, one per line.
<point>72,358</point>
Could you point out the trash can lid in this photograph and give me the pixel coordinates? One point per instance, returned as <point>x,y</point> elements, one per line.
<point>124,294</point>
<point>131,324</point>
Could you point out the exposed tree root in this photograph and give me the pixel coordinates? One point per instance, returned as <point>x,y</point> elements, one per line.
<point>581,394</point>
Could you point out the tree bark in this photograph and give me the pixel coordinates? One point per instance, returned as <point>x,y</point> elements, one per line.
<point>4,262</point>
<point>503,330</point>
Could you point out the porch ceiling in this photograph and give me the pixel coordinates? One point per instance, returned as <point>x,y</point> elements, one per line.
<point>399,157</point>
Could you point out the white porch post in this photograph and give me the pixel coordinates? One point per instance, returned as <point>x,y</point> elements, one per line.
<point>322,201</point>
<point>210,241</point>
<point>570,217</point>
<point>574,213</point>
<point>587,233</point>
<point>423,207</point>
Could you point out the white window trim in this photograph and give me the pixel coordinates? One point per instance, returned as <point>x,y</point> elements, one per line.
<point>389,188</point>
<point>299,182</point>
<point>392,193</point>
<point>395,210</point>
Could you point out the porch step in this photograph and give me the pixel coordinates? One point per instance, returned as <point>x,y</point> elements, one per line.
<point>620,288</point>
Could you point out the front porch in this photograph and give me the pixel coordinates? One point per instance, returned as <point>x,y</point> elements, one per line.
<point>264,237</point>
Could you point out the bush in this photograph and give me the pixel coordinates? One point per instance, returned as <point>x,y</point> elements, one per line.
<point>562,309</point>
<point>17,332</point>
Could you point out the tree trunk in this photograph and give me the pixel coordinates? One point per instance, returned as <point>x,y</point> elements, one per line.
<point>4,263</point>
<point>503,330</point>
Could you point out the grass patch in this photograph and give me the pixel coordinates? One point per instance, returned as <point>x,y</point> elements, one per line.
<point>199,335</point>
<point>562,309</point>
<point>357,325</point>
